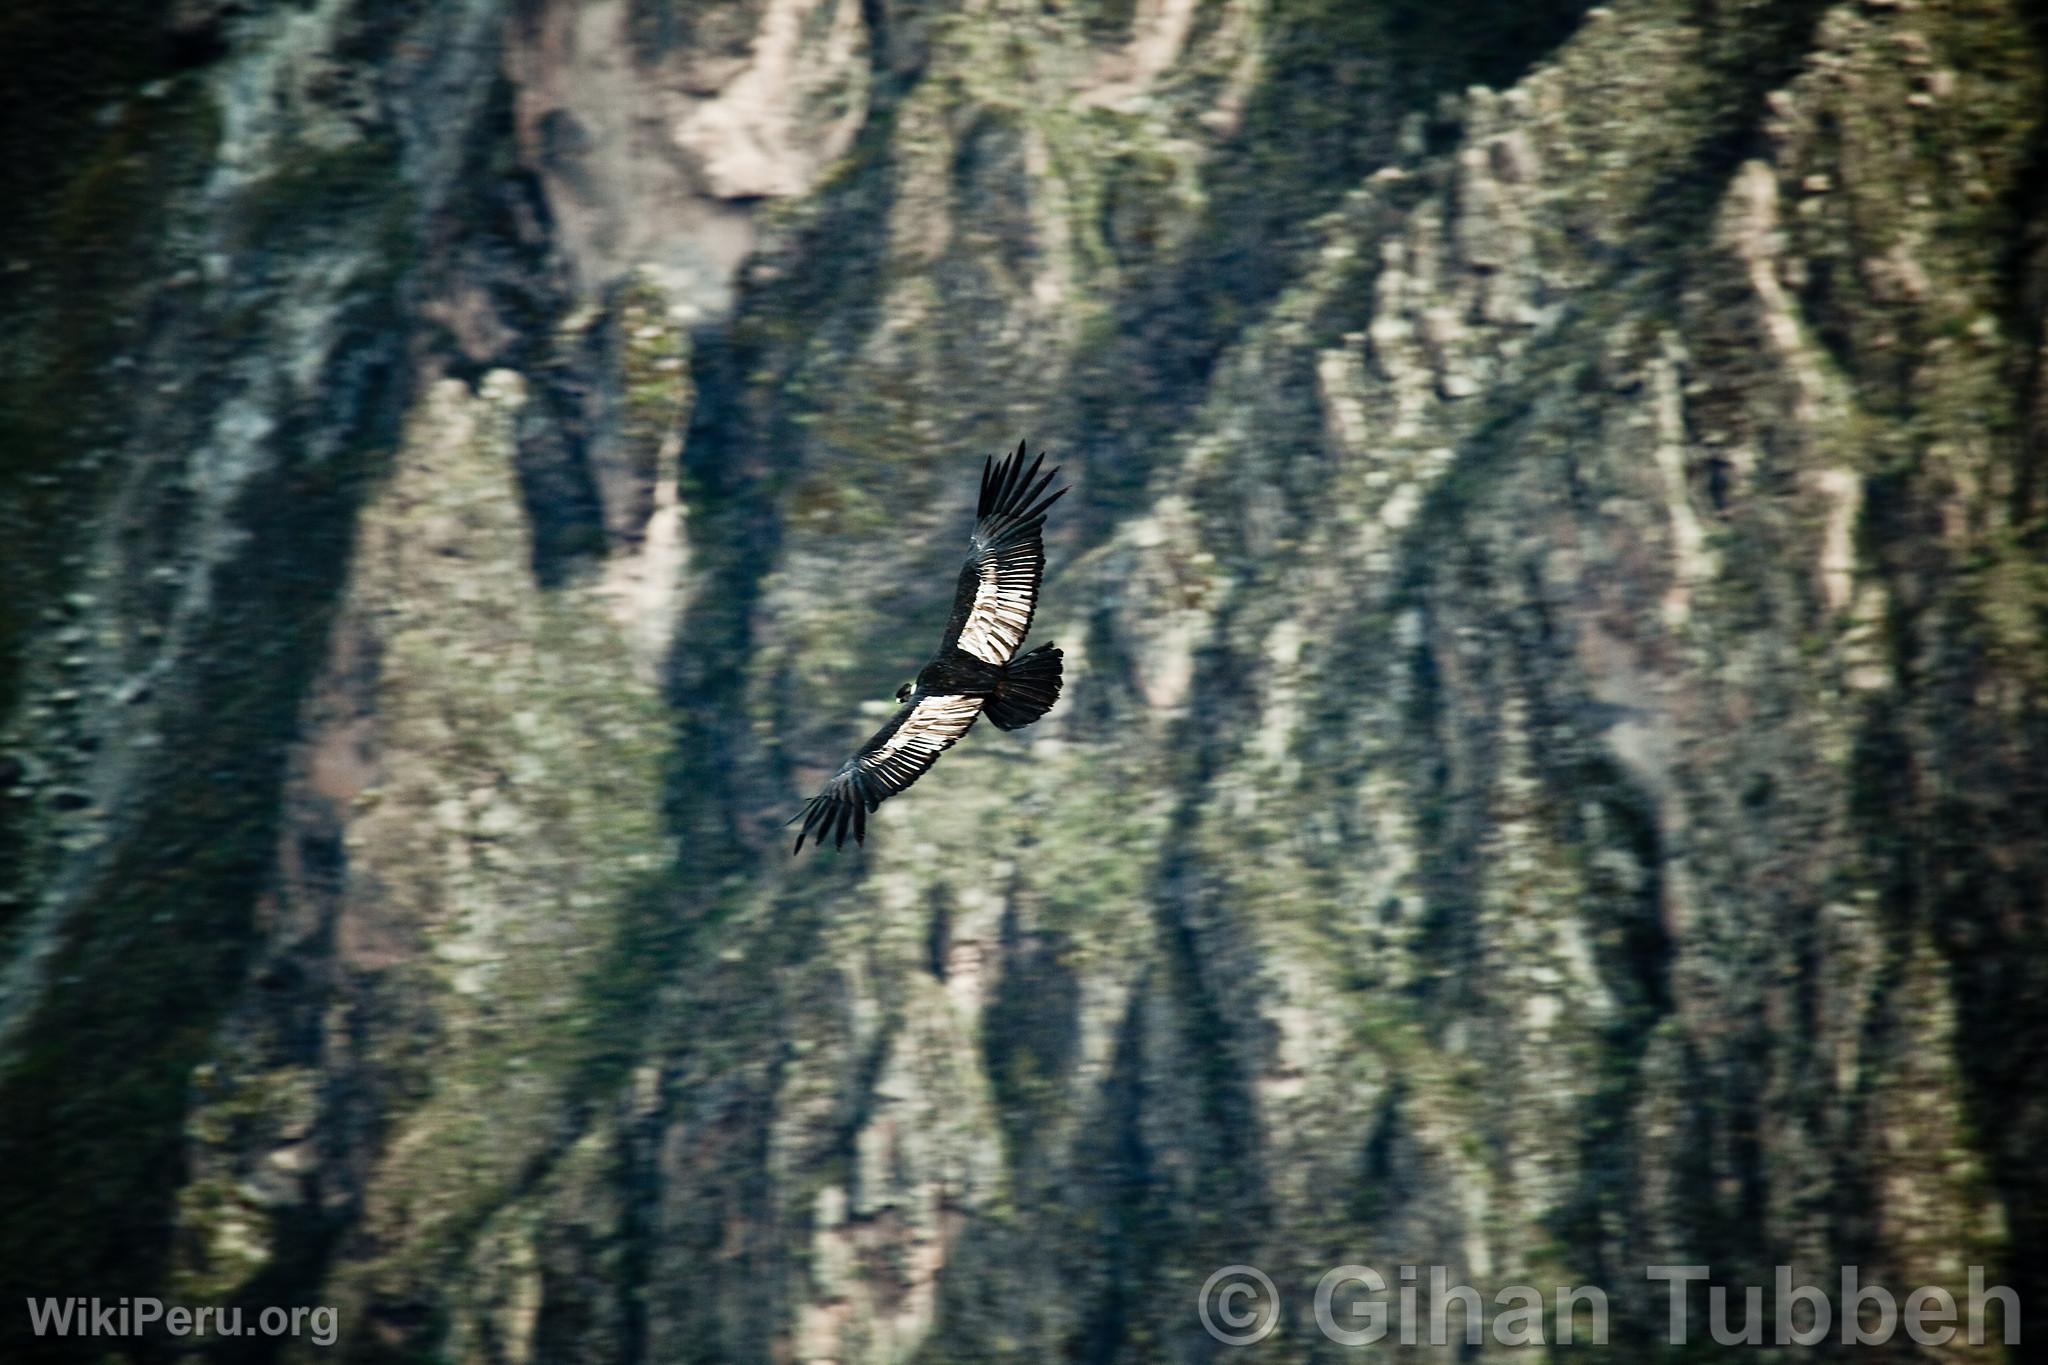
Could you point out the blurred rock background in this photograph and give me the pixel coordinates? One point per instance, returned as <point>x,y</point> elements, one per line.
<point>1554,770</point>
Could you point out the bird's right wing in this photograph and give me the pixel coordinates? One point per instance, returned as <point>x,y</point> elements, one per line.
<point>897,755</point>
<point>1006,558</point>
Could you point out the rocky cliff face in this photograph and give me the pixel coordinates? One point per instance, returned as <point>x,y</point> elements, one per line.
<point>1552,772</point>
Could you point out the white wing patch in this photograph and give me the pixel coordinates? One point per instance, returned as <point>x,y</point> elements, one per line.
<point>928,731</point>
<point>1003,599</point>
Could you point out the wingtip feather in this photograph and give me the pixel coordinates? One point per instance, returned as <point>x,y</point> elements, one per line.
<point>1009,489</point>
<point>1046,505</point>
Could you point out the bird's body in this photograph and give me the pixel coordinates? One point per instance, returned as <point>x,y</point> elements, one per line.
<point>977,668</point>
<point>955,670</point>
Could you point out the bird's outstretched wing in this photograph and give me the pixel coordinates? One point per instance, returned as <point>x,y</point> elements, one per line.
<point>897,756</point>
<point>1006,559</point>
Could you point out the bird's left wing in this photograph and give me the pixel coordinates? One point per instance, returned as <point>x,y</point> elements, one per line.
<point>999,583</point>
<point>897,755</point>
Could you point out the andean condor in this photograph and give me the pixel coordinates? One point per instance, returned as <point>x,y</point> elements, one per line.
<point>976,669</point>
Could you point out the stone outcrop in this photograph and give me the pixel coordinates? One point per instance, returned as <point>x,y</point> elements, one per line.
<point>1551,773</point>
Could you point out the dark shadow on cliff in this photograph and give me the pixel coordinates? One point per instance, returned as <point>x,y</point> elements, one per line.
<point>91,1149</point>
<point>1983,915</point>
<point>1338,82</point>
<point>733,471</point>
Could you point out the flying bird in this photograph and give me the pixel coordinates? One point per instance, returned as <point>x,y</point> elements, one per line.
<point>977,669</point>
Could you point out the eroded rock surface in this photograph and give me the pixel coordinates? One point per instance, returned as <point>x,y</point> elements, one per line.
<point>1550,779</point>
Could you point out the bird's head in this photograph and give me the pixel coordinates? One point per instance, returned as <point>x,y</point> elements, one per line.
<point>903,692</point>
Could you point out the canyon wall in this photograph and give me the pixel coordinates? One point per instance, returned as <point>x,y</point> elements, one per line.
<point>1553,771</point>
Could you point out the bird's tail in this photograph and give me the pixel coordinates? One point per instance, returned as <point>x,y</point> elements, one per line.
<point>1029,687</point>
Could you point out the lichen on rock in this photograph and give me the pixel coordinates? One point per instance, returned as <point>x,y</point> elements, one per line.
<point>1549,776</point>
